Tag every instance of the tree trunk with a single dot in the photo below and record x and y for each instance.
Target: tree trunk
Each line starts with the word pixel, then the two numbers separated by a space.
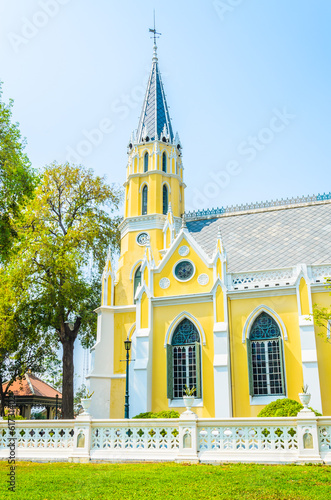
pixel 68 377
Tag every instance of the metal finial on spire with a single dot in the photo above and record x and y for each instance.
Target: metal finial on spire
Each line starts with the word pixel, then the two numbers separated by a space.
pixel 155 36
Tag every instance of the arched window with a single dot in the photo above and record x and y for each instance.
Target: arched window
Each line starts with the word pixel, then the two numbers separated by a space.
pixel 144 201
pixel 146 162
pixel 164 162
pixel 265 357
pixel 136 281
pixel 165 200
pixel 184 360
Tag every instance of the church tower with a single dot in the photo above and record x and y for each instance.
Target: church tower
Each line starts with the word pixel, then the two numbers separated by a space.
pixel 154 187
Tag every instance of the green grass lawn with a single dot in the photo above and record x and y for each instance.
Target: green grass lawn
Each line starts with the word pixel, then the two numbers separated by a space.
pixel 162 481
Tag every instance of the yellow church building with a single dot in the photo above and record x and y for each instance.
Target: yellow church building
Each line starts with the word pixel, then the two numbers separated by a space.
pixel 218 300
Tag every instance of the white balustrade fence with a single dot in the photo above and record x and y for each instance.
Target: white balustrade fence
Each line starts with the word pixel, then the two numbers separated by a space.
pixel 304 438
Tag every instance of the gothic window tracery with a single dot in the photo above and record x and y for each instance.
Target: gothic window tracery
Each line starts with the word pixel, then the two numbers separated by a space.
pixel 265 357
pixel 184 365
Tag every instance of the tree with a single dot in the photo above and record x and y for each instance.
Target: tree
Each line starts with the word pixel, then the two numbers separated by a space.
pixel 17 179
pixel 65 232
pixel 322 315
pixel 22 346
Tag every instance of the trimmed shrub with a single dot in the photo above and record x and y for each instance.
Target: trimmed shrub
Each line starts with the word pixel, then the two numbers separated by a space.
pixel 284 408
pixel 14 417
pixel 160 414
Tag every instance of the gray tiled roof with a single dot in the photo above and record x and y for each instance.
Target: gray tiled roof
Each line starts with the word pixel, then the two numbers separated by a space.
pixel 269 239
pixel 155 113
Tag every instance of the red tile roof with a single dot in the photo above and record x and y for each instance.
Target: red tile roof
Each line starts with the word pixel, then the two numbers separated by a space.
pixel 31 385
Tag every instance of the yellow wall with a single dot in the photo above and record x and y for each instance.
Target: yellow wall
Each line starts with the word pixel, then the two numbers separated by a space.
pixel 182 288
pixel 154 178
pixel 303 292
pixel 286 307
pixel 163 316
pixel 122 325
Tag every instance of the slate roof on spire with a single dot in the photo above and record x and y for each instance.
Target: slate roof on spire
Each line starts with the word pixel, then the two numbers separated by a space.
pixel 155 114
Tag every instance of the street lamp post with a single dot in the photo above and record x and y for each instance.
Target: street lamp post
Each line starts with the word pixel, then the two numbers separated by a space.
pixel 127 345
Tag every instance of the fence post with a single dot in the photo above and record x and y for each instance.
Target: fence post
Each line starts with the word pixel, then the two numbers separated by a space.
pixel 82 439
pixel 188 438
pixel 308 442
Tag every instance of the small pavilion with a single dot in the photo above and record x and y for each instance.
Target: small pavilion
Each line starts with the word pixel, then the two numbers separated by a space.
pixel 31 392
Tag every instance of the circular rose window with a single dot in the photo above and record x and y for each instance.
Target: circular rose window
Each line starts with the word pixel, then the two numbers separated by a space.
pixel 184 270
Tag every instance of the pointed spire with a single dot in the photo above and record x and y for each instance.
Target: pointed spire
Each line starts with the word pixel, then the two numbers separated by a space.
pixel 155 113
pixel 219 245
pixel 184 226
pixel 148 256
pixel 108 265
pixel 170 215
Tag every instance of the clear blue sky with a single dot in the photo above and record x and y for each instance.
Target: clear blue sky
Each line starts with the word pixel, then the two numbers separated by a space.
pixel 229 73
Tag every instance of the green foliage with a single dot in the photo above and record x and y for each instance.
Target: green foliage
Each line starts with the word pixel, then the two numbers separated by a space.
pixel 160 414
pixel 188 391
pixel 66 231
pixel 23 346
pixel 283 408
pixel 17 179
pixel 52 372
pixel 322 315
pixel 14 417
pixel 64 235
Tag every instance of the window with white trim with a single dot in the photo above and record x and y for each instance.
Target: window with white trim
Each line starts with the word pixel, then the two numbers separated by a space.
pixel 136 281
pixel 265 358
pixel 184 360
pixel 146 162
pixel 164 200
pixel 164 162
pixel 144 200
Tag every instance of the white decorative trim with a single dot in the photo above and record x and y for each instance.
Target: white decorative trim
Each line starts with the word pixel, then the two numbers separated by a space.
pixel 116 309
pixel 179 403
pixel 132 330
pixel 257 311
pixel 183 250
pixel 113 376
pixel 143 185
pixel 174 300
pixel 177 320
pixel 261 293
pixel 145 223
pixel 174 268
pixel 263 206
pixel 134 268
pixel 164 283
pixel 158 172
pixel 264 278
pixel 328 330
pixel 264 400
pixel 203 279
pixel 319 273
pixel 184 235
pixel 167 184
